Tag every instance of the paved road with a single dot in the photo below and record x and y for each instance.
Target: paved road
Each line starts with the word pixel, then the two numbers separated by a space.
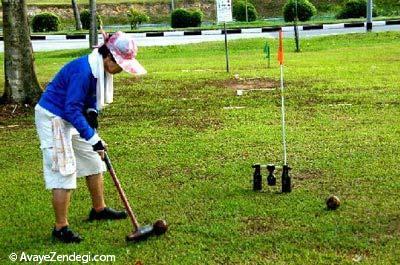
pixel 47 45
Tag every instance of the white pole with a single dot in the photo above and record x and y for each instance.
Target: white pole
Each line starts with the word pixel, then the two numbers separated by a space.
pixel 283 118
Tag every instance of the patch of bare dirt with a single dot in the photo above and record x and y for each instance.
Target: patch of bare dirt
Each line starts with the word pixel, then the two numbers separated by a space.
pixel 239 83
pixel 358 255
pixel 394 227
pixel 261 225
pixel 195 122
pixel 308 174
pixel 11 111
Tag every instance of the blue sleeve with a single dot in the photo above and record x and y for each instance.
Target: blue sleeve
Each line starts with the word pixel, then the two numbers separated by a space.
pixel 93 100
pixel 77 92
pixel 93 104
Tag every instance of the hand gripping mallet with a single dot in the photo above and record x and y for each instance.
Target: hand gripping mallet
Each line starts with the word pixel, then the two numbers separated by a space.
pixel 139 232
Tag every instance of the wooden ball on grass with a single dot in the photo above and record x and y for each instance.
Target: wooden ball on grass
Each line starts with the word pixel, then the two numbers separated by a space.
pixel 332 202
pixel 160 227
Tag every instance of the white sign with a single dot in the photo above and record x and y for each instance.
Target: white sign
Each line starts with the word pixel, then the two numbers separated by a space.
pixel 224 11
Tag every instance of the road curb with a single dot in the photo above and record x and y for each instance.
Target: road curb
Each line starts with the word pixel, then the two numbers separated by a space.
pixel 173 33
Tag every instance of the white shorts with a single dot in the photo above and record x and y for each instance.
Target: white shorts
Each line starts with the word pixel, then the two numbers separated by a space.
pixel 88 162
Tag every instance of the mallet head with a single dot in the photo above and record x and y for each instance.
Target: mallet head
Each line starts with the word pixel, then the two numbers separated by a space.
pixel 142 233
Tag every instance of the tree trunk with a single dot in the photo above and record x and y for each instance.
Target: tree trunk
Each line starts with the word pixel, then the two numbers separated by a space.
pixel 78 23
pixel 93 25
pixel 21 84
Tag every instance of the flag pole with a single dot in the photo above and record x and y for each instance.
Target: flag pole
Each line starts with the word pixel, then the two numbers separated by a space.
pixel 283 118
pixel 281 59
pixel 286 180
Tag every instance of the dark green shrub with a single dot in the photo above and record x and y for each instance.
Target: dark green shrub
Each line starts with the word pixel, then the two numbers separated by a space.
pixel 45 22
pixel 182 18
pixel 355 9
pixel 239 11
pixel 137 17
pixel 305 10
pixel 85 19
pixel 196 18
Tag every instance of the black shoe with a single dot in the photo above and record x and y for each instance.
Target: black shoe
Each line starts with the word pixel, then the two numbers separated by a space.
pixel 66 235
pixel 106 214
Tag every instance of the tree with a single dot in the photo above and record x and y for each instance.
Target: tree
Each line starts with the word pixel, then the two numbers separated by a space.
pixel 78 23
pixel 21 84
pixel 93 40
pixel 137 17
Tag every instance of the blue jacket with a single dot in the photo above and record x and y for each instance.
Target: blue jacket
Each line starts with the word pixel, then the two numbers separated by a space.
pixel 71 93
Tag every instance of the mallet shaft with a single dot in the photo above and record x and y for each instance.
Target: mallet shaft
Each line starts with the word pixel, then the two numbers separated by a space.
pixel 121 192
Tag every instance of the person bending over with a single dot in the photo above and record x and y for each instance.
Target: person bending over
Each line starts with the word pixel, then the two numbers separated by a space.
pixel 66 122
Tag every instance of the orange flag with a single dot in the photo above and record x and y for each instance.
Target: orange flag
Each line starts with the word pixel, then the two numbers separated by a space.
pixel 280 50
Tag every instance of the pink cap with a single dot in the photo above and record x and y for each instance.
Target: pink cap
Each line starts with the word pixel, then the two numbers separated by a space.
pixel 124 50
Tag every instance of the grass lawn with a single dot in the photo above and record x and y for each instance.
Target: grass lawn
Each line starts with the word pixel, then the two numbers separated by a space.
pixel 182 155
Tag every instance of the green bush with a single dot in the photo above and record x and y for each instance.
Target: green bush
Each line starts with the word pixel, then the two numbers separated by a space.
pixel 196 18
pixel 137 17
pixel 239 11
pixel 355 9
pixel 85 19
pixel 45 22
pixel 305 10
pixel 182 18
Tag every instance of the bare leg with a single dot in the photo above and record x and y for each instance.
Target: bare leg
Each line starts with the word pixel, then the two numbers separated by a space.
pixel 61 199
pixel 96 189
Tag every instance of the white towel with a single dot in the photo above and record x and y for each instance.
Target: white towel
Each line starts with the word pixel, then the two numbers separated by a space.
pixel 104 86
pixel 63 154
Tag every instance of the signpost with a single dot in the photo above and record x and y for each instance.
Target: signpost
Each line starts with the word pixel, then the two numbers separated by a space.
pixel 369 15
pixel 224 14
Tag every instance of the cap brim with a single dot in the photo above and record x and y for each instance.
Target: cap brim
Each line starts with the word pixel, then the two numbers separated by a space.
pixel 132 66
